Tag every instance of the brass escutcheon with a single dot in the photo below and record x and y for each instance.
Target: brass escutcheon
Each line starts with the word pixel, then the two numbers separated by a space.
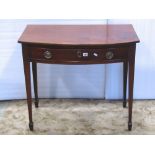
pixel 109 55
pixel 47 54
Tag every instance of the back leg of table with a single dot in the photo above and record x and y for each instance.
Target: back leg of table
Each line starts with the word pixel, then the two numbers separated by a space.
pixel 34 71
pixel 125 75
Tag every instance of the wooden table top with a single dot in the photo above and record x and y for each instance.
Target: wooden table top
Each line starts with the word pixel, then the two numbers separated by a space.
pixel 79 34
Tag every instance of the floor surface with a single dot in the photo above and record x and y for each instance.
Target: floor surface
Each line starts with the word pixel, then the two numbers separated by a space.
pixel 74 117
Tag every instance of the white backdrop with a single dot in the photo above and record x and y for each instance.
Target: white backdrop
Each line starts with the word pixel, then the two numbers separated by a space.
pixel 91 81
pixel 144 87
pixel 54 80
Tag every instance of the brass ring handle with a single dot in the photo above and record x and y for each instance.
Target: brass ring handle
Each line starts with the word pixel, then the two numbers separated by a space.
pixel 79 54
pixel 47 54
pixel 109 55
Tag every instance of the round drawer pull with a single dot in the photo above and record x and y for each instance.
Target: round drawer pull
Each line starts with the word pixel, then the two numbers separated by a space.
pixel 109 55
pixel 79 54
pixel 47 54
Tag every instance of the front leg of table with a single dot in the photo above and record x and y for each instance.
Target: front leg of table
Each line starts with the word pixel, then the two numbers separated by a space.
pixel 131 57
pixel 34 71
pixel 28 91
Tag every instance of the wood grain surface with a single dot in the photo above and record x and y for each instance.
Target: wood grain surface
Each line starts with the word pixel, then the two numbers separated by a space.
pixel 79 34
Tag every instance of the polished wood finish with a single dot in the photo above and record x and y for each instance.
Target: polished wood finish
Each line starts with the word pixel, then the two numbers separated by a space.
pixel 70 56
pixel 79 34
pixel 79 44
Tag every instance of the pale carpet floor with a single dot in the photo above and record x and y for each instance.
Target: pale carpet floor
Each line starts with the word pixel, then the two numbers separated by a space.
pixel 74 117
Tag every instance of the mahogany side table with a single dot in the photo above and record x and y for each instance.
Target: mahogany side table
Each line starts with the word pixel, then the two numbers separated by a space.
pixel 79 45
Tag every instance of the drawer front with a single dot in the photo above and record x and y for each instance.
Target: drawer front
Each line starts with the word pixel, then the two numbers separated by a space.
pixel 78 55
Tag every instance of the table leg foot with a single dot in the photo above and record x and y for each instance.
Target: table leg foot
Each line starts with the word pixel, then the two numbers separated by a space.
pixel 129 126
pixel 124 104
pixel 36 104
pixel 31 126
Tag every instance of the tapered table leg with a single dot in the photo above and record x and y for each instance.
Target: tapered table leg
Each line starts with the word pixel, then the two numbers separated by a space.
pixel 125 73
pixel 34 71
pixel 131 84
pixel 28 91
